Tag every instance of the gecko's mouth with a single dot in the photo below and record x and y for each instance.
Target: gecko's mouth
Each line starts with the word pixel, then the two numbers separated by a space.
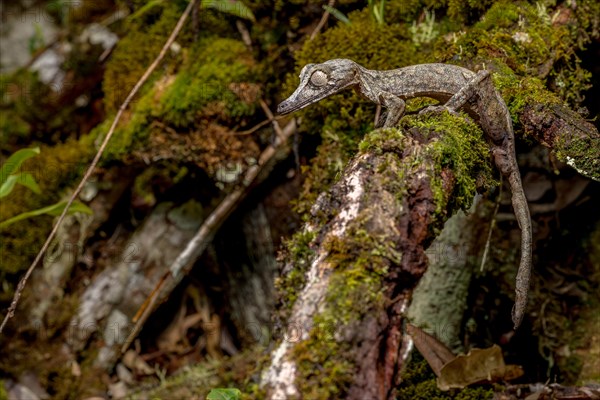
pixel 290 105
pixel 300 99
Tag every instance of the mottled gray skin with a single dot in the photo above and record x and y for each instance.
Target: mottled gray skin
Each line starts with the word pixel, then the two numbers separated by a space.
pixel 456 86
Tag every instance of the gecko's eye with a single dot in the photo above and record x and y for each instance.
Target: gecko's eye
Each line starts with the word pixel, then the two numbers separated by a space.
pixel 318 78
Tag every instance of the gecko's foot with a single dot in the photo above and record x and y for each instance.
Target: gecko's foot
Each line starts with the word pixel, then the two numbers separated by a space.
pixel 437 110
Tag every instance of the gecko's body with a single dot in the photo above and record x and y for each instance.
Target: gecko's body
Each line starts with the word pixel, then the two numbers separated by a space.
pixel 457 88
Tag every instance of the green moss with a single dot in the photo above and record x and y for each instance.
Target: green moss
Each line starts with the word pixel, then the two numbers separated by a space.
pixel 587 14
pixel 299 253
pixel 361 263
pixel 214 86
pixel 521 39
pixel 456 12
pixel 145 37
pixel 331 355
pixel 131 132
pixel 147 30
pixel 355 291
pixel 218 66
pixel 460 148
pixel 336 43
pixel 519 92
pixel 380 140
pixel 583 149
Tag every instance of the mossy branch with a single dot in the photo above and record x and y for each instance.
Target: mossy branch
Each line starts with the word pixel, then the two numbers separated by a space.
pixel 369 234
pixel 571 138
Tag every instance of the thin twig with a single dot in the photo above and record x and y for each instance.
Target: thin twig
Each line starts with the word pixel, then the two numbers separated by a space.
pixel 272 118
pixel 244 33
pixel 492 226
pixel 322 22
pixel 257 126
pixel 92 167
pixel 196 246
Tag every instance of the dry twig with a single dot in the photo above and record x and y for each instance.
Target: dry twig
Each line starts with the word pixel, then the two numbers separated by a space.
pixel 322 22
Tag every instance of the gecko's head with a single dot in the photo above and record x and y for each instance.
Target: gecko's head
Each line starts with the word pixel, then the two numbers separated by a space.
pixel 318 81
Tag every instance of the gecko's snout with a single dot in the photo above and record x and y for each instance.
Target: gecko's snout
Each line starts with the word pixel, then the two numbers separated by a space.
pixel 281 108
pixel 285 107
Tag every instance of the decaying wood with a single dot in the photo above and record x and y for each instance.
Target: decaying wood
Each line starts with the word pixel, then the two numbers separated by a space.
pixel 366 199
pixel 574 140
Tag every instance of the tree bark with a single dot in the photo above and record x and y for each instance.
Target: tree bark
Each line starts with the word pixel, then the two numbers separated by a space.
pixel 370 234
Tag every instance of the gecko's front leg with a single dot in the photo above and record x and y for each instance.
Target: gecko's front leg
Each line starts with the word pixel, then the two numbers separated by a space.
pixel 395 109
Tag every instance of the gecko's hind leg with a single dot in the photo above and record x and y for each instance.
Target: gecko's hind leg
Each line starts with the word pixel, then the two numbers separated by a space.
pixel 473 87
pixel 460 98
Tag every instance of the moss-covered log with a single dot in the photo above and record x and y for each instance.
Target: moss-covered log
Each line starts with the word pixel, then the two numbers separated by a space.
pixel 346 296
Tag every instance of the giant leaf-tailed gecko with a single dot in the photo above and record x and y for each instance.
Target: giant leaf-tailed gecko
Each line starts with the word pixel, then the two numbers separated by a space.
pixel 458 88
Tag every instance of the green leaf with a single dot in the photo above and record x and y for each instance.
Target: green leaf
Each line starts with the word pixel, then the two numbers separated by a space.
pixel 224 394
pixel 8 186
pixel 14 162
pixel 22 178
pixel 143 9
pixel 54 210
pixel 27 180
pixel 377 16
pixel 382 11
pixel 337 14
pixel 232 7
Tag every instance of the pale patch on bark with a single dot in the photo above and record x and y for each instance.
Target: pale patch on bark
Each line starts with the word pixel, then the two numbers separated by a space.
pixel 281 374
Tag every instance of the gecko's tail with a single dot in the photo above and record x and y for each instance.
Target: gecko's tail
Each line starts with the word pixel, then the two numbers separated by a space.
pixel 521 209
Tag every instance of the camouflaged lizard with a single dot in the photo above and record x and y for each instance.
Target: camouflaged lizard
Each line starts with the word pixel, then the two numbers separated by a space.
pixel 456 88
